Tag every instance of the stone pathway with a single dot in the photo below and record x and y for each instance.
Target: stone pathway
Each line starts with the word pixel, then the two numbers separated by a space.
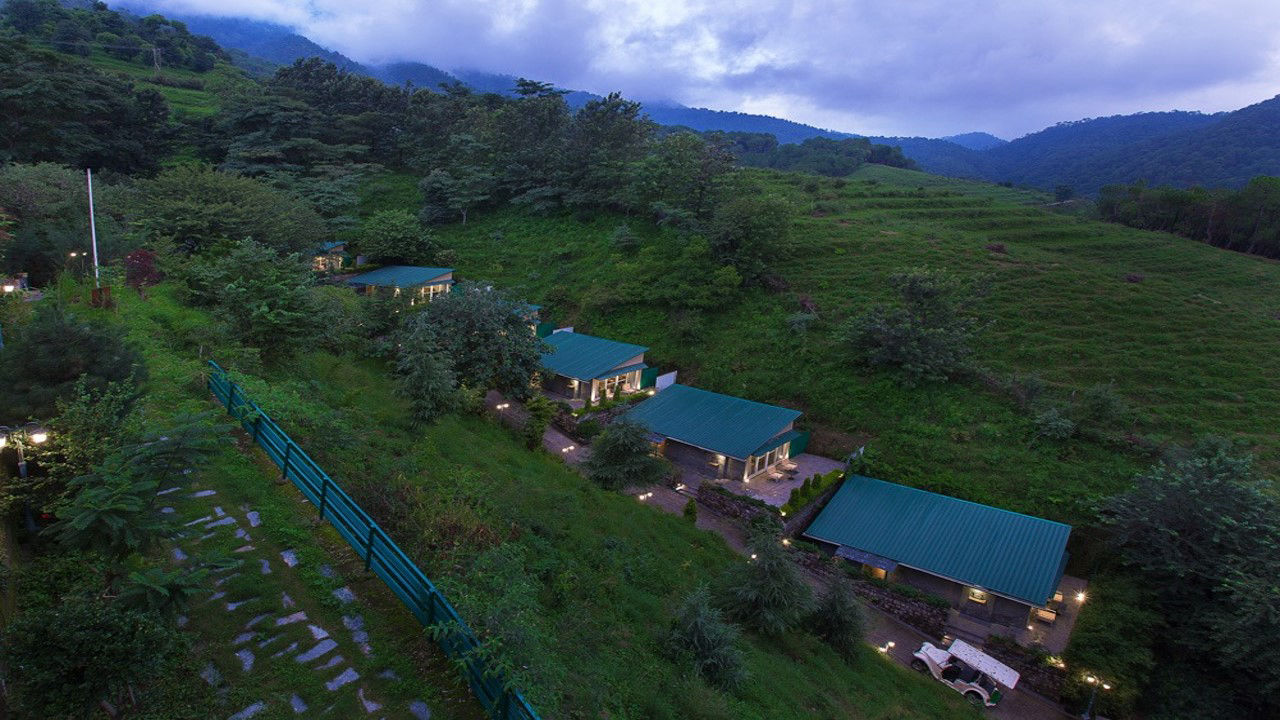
pixel 260 636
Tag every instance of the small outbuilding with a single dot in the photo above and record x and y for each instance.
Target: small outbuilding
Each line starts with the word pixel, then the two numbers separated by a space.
pixel 329 257
pixel 721 436
pixel 585 367
pixel 993 565
pixel 421 284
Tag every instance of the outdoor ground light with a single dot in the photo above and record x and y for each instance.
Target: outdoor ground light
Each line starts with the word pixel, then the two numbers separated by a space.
pixel 1081 597
pixel 10 288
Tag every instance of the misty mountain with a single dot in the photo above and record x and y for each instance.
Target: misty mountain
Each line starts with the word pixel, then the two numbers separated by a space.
pixel 1178 148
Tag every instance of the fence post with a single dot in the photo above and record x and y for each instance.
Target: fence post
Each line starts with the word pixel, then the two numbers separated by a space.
pixel 324 495
pixel 284 467
pixel 231 398
pixel 368 549
pixel 257 428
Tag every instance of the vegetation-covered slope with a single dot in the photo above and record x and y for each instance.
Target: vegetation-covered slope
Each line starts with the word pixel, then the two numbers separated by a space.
pixel 1181 329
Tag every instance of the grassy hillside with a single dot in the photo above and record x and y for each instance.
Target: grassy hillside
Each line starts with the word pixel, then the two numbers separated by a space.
pixel 1185 332
pixel 182 100
pixel 578 583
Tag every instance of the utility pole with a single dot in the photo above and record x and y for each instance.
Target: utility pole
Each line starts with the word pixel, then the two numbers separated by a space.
pixel 93 228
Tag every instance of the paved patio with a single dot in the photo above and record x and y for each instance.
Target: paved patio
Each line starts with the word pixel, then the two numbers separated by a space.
pixel 773 492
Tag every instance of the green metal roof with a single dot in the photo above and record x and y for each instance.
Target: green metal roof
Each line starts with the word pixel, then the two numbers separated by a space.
pixel 401 276
pixel 332 245
pixel 777 441
pixel 1004 552
pixel 586 357
pixel 621 371
pixel 720 423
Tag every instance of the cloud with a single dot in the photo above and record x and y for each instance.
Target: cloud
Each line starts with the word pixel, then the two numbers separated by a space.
pixel 926 67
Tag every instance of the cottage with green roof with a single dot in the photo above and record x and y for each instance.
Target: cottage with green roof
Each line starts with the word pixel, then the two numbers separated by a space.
pixel 581 367
pixel 721 436
pixel 993 565
pixel 421 284
pixel 329 257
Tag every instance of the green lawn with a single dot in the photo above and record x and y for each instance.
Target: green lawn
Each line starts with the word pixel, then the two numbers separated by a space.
pixel 1190 347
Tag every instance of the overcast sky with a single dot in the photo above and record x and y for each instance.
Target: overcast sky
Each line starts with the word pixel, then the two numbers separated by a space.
pixel 882 67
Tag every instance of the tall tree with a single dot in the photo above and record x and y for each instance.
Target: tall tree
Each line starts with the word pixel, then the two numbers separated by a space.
pixel 485 334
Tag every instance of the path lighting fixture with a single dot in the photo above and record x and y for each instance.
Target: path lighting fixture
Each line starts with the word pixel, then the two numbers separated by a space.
pixel 8 287
pixel 753 556
pixel 786 542
pixel 74 254
pixel 1081 596
pixel 783 512
pixel 885 648
pixel 33 433
pixel 1095 682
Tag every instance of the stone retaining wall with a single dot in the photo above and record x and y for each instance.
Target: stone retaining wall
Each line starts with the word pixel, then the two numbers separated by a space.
pixel 918 614
pixel 723 502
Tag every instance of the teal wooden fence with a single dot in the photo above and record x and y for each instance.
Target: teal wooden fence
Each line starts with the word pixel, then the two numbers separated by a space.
pixel 380 554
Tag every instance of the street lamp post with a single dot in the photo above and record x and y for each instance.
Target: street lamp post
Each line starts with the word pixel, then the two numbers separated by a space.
pixel 1096 682
pixel 36 435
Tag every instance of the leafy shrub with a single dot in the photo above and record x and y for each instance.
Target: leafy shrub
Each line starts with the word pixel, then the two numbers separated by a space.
pixel 1113 637
pixel 928 334
pixel 56 676
pixel 766 593
pixel 1101 404
pixel 539 411
pixel 623 239
pixel 1025 389
pixel 811 489
pixel 799 322
pixel 691 511
pixel 46 359
pixel 622 456
pixel 397 237
pixel 1054 424
pixel 837 619
pixel 588 430
pixel 700 634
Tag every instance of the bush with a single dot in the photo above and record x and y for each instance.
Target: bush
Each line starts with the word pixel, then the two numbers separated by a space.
pixel 1101 405
pixel 1113 637
pixel 622 456
pixel 396 237
pixel 928 335
pixel 624 239
pixel 811 489
pixel 766 593
pixel 588 430
pixel 70 656
pixel 700 634
pixel 55 356
pixel 540 411
pixel 691 511
pixel 1054 424
pixel 837 620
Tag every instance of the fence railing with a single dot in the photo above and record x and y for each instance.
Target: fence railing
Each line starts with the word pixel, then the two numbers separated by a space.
pixel 380 554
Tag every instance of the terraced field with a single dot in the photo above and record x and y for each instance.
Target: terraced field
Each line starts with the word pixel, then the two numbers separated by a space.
pixel 1184 332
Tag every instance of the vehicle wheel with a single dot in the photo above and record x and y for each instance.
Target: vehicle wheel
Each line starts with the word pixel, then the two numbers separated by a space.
pixel 975 699
pixel 919 665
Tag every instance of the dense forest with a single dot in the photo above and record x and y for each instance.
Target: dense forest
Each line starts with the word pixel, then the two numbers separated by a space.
pixel 150 39
pixel 819 155
pixel 1245 220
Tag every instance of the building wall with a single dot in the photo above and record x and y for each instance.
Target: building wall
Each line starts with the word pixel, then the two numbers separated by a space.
pixel 559 385
pixel 996 609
